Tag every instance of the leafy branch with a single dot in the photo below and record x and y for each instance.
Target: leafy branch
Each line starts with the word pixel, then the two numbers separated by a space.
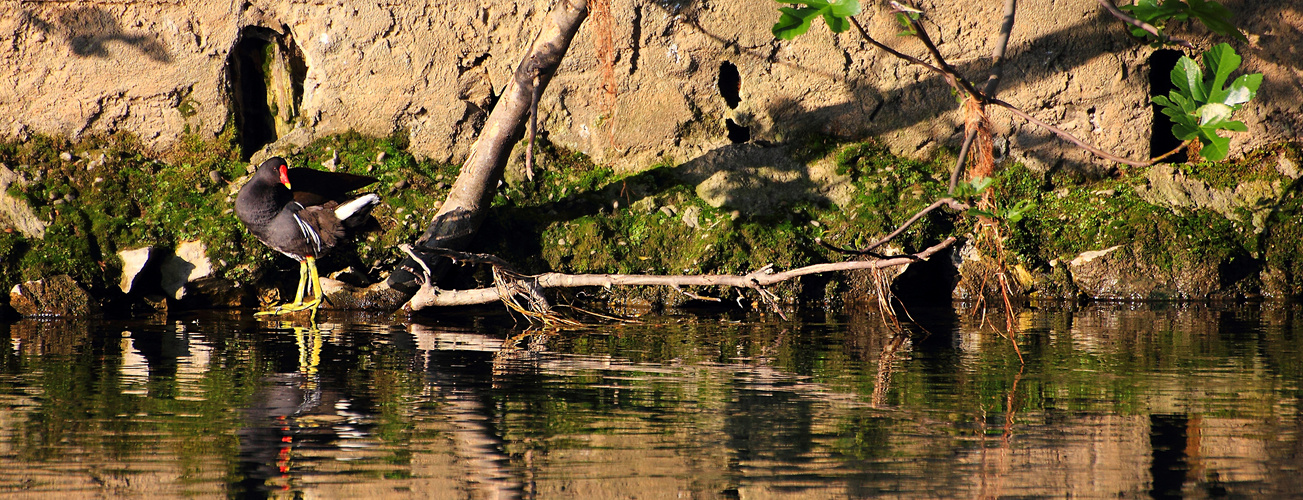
pixel 1155 13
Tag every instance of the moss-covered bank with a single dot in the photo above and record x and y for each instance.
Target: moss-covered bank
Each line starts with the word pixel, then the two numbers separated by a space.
pixel 100 196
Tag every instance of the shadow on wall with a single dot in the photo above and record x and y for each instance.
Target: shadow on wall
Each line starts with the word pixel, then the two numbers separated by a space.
pixel 88 31
pixel 870 110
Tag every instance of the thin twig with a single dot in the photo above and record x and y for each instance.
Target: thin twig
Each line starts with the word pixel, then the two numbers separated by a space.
pixel 949 72
pixel 1067 136
pixel 985 99
pixel 1164 156
pixel 1162 37
pixel 992 84
pixel 949 202
pixel 894 52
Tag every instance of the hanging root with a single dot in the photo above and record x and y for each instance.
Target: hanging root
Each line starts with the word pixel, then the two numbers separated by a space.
pixel 977 121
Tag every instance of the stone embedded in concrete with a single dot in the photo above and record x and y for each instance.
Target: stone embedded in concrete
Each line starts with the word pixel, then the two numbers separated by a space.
pixel 54 296
pixel 188 264
pixel 15 211
pixel 133 262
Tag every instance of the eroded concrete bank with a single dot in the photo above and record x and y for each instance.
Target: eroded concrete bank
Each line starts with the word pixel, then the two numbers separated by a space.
pixel 685 78
pixel 122 232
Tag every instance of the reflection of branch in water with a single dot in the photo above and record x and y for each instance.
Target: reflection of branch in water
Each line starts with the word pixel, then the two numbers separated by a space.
pixel 1006 438
pixel 882 382
pixel 476 441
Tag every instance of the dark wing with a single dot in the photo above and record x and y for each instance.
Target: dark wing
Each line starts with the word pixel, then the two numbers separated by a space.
pixel 316 187
pixel 319 228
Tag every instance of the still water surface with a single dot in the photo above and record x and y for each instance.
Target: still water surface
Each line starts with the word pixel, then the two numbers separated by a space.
pixel 1152 401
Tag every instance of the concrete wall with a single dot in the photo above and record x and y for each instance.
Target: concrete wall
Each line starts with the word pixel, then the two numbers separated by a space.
pixel 162 68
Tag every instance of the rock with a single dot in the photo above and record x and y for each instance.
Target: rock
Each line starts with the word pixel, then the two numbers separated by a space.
pixel 214 291
pixel 1286 166
pixel 16 212
pixel 1170 187
pixel 352 276
pixel 377 297
pixel 1128 272
pixel 189 263
pixel 54 296
pixel 133 262
pixel 691 217
pixel 430 69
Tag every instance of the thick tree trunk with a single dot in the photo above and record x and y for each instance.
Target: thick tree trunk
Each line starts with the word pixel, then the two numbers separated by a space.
pixel 464 210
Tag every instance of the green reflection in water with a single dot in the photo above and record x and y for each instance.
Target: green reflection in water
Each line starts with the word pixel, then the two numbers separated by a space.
pixel 1130 401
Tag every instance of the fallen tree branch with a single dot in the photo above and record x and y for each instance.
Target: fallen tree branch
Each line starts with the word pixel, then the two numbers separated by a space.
pixel 461 215
pixel 430 296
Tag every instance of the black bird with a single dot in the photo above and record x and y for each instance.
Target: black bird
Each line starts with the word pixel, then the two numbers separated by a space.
pixel 302 213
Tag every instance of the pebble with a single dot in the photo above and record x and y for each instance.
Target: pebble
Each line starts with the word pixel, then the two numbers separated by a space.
pixel 215 176
pixel 65 156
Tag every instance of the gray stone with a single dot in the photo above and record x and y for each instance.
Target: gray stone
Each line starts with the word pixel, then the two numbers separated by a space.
pixel 54 296
pixel 691 217
pixel 1172 188
pixel 1286 166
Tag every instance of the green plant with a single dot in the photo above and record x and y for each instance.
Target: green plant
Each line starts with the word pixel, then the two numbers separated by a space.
pixel 1158 13
pixel 796 21
pixel 1199 107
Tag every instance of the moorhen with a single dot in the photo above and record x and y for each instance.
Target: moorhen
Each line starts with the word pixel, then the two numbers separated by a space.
pixel 302 213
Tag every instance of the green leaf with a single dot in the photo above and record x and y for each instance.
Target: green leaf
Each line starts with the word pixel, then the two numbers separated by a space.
pixel 1220 60
pixel 1213 112
pixel 1215 147
pixel 794 22
pixel 1242 90
pixel 1188 78
pixel 836 24
pixel 844 8
pixel 1216 17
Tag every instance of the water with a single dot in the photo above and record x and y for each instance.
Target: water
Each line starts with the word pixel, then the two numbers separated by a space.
pixel 1113 401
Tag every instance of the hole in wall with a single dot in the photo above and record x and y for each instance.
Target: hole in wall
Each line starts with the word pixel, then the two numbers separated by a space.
pixel 730 84
pixel 1161 140
pixel 737 133
pixel 265 72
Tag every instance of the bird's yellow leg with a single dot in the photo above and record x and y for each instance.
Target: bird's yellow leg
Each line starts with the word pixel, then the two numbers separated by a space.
pixel 316 285
pixel 303 282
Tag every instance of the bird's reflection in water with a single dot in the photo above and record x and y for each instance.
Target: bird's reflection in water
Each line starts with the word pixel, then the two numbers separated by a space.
pixel 294 420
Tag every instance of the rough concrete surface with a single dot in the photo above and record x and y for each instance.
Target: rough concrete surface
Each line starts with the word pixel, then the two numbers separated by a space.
pixel 431 70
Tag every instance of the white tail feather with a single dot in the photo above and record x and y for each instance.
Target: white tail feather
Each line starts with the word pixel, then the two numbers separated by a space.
pixel 355 206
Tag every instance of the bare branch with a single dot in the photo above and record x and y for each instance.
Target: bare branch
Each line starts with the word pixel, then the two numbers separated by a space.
pixel 949 72
pixel 1162 37
pixel 950 202
pixel 430 296
pixel 958 82
pixel 1069 137
pixel 992 84
pixel 894 52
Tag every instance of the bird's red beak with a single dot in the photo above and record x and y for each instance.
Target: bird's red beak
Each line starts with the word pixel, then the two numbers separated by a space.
pixel 285 176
